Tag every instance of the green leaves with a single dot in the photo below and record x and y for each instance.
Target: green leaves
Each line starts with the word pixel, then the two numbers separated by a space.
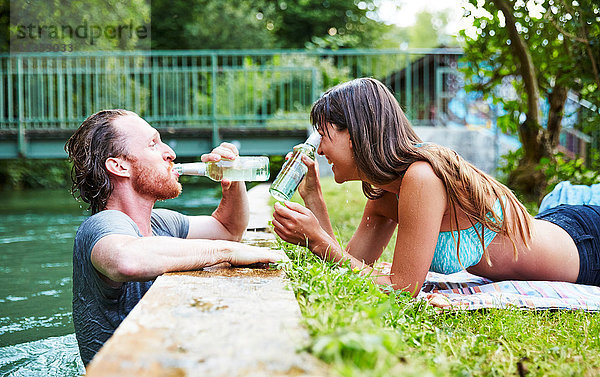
pixel 574 170
pixel 41 173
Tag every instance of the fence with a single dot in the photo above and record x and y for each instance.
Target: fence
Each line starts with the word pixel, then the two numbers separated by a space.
pixel 45 96
pixel 202 89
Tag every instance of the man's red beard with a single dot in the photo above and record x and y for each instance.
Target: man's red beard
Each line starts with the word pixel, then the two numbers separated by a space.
pixel 153 183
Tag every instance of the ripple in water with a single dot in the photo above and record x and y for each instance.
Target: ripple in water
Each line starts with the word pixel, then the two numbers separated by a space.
pixel 50 357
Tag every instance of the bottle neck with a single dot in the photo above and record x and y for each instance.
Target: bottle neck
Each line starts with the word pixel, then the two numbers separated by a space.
pixel 307 149
pixel 314 140
pixel 192 168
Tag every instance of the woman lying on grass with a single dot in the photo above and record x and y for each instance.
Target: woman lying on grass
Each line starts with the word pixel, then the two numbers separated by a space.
pixel 437 200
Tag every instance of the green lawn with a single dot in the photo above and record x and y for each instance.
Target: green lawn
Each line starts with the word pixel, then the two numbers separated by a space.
pixel 361 331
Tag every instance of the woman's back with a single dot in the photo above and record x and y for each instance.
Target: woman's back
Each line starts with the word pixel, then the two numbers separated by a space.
pixel 552 255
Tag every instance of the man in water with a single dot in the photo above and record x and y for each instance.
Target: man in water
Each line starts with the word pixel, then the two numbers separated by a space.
pixel 121 168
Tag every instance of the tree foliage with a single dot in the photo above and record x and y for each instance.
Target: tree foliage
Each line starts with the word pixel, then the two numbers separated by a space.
pixel 234 24
pixel 78 25
pixel 210 24
pixel 340 23
pixel 216 24
pixel 546 49
pixel 4 24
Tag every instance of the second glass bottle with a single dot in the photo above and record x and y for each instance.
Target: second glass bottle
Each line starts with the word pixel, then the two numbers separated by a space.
pixel 292 172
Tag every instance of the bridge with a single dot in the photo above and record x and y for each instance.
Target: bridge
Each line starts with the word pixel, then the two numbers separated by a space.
pixel 259 98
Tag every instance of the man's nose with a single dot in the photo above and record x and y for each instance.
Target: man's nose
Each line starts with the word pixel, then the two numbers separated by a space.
pixel 169 153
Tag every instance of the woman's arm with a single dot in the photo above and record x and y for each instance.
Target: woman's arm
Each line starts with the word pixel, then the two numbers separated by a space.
pixel 296 224
pixel 311 193
pixel 421 206
pixel 376 226
pixel 375 229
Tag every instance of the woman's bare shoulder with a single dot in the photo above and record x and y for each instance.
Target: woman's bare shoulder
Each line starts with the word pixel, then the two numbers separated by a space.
pixel 421 172
pixel 421 187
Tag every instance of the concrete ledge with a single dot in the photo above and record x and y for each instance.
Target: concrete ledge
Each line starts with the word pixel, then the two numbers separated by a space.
pixel 220 321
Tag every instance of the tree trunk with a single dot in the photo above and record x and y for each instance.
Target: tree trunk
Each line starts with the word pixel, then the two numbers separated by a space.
pixel 526 178
pixel 557 100
pixel 526 66
pixel 538 143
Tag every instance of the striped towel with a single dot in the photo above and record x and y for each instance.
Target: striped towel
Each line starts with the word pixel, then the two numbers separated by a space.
pixel 467 291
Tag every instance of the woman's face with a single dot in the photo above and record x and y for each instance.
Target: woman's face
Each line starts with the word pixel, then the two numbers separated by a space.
pixel 337 148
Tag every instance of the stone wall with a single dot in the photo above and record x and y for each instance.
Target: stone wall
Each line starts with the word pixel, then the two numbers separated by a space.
pixel 480 147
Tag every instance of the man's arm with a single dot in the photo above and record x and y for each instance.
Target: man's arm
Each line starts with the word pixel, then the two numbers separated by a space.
pixel 230 219
pixel 123 258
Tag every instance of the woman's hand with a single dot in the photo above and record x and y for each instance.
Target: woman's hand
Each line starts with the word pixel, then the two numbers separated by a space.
pixel 311 184
pixel 296 224
pixel 310 191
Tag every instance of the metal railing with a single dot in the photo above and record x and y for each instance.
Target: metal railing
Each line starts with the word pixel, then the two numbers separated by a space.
pixel 202 89
pixel 47 93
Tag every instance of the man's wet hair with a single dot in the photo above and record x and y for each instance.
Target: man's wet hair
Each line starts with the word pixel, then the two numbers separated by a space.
pixel 88 148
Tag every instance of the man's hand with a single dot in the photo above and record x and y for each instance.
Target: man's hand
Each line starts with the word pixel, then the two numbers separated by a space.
pixel 225 151
pixel 232 214
pixel 242 255
pixel 121 258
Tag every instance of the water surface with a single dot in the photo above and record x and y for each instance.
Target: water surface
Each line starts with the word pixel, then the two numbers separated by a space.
pixel 37 229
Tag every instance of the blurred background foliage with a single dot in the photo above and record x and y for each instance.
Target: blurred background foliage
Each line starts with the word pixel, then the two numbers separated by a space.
pixel 217 24
pixel 243 24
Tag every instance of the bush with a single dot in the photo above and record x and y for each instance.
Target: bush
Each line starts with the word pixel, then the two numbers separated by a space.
pixel 573 170
pixel 556 169
pixel 23 173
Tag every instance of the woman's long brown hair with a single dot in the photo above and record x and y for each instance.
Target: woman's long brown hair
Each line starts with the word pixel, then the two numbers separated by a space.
pixel 385 145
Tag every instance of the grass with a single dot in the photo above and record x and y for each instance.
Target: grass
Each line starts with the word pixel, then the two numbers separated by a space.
pixel 361 331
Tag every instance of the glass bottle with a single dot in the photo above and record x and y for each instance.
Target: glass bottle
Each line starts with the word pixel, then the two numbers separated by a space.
pixel 244 168
pixel 294 170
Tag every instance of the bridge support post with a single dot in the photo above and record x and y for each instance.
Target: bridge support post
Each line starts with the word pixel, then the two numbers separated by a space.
pixel 21 140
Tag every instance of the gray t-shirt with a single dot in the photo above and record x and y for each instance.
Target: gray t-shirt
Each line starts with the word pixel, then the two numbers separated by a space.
pixel 99 308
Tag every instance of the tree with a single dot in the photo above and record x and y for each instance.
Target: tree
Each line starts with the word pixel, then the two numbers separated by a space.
pixel 76 25
pixel 426 32
pixel 243 24
pixel 337 23
pixel 550 48
pixel 4 24
pixel 210 24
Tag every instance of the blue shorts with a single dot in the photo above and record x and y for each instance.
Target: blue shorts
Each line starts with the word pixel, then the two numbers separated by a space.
pixel 582 222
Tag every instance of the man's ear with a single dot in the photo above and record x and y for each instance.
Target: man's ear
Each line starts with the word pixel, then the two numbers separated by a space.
pixel 118 166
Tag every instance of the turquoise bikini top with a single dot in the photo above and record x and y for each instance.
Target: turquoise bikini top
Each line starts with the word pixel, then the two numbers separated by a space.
pixel 445 260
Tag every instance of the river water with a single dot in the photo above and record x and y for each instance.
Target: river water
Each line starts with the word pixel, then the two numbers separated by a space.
pixel 37 229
